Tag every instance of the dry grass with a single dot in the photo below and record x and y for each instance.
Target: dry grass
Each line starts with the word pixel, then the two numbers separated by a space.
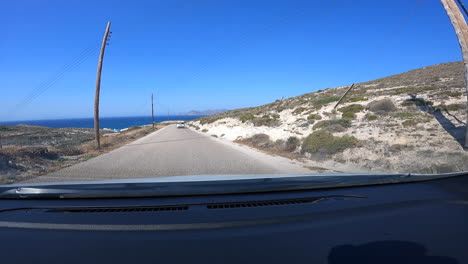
pixel 113 141
pixel 18 163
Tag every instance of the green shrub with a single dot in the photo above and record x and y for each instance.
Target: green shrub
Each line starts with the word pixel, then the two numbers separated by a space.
pixel 372 117
pixel 451 107
pixel 384 105
pixel 246 117
pixel 299 110
pixel 314 116
pixel 266 120
pixel 354 108
pixel 326 100
pixel 259 140
pixel 324 142
pixel 409 123
pixel 348 115
pixel 204 130
pixel 333 125
pixel 291 144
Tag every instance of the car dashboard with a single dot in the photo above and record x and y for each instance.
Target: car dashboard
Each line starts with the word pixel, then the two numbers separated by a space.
pixel 418 222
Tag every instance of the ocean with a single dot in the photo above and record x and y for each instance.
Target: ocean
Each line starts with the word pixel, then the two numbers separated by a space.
pixel 114 123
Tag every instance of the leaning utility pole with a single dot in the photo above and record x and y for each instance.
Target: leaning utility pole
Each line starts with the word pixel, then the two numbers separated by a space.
pixel 152 109
pixel 98 86
pixel 344 95
pixel 461 29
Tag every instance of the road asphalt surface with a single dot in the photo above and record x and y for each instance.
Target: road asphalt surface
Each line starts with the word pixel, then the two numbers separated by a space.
pixel 173 151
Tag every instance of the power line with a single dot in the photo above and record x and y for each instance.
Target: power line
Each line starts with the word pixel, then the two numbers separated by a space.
pixel 53 78
pixel 463 7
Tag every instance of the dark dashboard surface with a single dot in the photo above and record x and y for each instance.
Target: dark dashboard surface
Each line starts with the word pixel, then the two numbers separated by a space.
pixel 421 222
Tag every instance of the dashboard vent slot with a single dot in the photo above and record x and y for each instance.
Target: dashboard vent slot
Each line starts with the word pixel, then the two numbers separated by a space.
pixel 262 203
pixel 118 209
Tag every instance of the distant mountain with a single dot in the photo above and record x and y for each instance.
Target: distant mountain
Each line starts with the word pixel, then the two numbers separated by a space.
pixel 207 112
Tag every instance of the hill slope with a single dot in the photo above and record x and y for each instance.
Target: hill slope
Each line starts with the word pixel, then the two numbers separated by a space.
pixel 409 122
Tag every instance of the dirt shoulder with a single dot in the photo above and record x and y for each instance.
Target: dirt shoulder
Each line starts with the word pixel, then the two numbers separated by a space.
pixel 31 151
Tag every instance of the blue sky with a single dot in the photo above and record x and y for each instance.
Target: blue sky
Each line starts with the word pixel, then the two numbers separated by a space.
pixel 207 54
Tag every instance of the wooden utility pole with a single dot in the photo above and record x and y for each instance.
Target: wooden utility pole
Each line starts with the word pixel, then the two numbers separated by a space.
pixel 98 86
pixel 342 97
pixel 461 29
pixel 152 109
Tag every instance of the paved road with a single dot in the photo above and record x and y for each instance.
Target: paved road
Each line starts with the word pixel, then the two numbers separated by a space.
pixel 176 152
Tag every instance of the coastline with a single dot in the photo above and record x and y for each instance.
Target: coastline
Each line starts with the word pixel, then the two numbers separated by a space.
pixel 111 123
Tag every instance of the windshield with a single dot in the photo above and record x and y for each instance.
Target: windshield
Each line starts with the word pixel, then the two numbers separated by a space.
pixel 155 89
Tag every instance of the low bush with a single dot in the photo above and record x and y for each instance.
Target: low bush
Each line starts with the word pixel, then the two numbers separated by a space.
pixel 299 110
pixel 324 142
pixel 354 108
pixel 409 123
pixel 326 100
pixel 314 116
pixel 246 117
pixel 267 120
pixel 204 130
pixel 372 117
pixel 333 125
pixel 291 144
pixel 451 107
pixel 382 106
pixel 348 115
pixel 69 151
pixel 259 140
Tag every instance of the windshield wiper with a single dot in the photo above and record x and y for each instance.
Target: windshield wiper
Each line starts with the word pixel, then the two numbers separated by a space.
pixel 206 185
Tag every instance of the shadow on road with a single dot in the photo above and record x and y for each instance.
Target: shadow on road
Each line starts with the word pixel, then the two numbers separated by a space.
pixel 457 132
pixel 385 252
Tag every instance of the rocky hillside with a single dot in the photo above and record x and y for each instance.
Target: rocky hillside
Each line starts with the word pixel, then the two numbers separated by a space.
pixel 409 122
